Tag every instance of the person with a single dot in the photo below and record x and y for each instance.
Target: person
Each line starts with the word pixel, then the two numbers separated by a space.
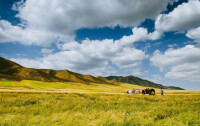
pixel 161 91
pixel 148 91
pixel 143 92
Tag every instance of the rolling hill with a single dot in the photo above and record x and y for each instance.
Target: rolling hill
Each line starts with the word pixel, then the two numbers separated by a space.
pixel 10 70
pixel 139 81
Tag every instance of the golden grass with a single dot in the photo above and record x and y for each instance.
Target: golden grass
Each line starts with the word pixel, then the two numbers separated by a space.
pixel 43 103
pixel 98 109
pixel 70 87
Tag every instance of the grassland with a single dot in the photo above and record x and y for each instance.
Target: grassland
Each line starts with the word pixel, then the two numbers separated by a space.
pixel 41 103
pixel 70 87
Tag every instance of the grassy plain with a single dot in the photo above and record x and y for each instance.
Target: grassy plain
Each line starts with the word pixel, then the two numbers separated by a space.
pixel 70 87
pixel 41 103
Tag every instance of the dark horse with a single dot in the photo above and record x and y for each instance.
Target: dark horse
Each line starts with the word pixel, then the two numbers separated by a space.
pixel 148 91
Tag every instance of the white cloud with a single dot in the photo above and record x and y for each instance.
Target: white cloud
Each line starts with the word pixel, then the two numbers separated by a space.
pixel 65 14
pixel 28 36
pixel 46 51
pixel 180 32
pixel 47 21
pixel 188 71
pixel 172 45
pixel 137 72
pixel 194 34
pixel 139 34
pixel 30 63
pixel 185 16
pixel 155 78
pixel 182 63
pixel 17 6
pixel 129 57
pixel 90 56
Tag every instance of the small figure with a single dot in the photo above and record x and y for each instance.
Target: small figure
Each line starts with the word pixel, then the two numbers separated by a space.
pixel 137 91
pixel 133 91
pixel 148 91
pixel 161 91
pixel 143 92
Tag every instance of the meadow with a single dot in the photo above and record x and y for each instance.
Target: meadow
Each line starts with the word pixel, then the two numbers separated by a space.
pixel 70 87
pixel 41 103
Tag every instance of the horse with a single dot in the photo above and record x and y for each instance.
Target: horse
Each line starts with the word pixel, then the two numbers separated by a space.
pixel 148 91
pixel 133 91
pixel 137 91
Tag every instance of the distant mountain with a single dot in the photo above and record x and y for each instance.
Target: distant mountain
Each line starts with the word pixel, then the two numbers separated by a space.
pixel 176 88
pixel 13 71
pixel 141 82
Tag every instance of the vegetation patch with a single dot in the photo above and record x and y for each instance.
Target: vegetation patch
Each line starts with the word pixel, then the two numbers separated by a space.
pixel 98 109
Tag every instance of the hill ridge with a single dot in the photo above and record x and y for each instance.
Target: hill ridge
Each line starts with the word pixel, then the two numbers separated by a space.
pixel 13 71
pixel 138 81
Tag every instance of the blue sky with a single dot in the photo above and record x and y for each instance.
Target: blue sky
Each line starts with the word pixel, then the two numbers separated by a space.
pixel 153 39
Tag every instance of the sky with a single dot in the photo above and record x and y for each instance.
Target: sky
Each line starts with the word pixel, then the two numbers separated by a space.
pixel 157 40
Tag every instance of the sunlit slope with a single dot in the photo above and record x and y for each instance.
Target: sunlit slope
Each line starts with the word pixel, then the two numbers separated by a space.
pixel 75 77
pixel 10 70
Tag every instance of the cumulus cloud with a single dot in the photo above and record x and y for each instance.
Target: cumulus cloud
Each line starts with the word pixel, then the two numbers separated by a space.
pixel 139 34
pixel 129 57
pixel 17 6
pixel 188 71
pixel 182 63
pixel 90 56
pixel 194 34
pixel 46 21
pixel 185 16
pixel 65 14
pixel 28 36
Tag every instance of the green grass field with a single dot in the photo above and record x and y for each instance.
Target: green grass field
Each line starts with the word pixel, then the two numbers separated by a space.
pixel 41 103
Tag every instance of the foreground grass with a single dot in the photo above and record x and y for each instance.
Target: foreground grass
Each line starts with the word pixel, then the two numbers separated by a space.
pixel 98 109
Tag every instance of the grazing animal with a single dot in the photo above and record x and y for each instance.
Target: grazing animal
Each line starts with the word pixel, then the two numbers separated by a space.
pixel 133 91
pixel 148 91
pixel 137 91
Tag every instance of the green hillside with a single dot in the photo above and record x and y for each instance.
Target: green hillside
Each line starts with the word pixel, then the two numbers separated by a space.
pixel 139 81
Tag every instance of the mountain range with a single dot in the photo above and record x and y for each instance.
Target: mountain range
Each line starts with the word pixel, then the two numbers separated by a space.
pixel 10 70
pixel 138 81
